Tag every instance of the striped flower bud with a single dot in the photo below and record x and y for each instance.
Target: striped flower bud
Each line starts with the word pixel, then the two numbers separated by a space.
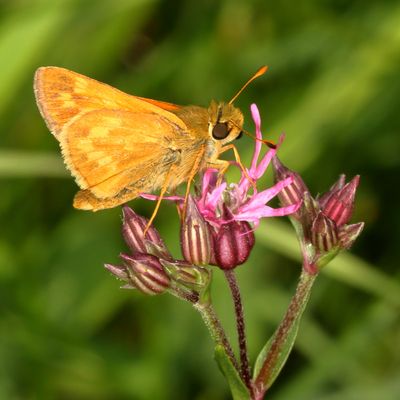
pixel 293 193
pixel 338 202
pixel 324 234
pixel 196 241
pixel 349 233
pixel 143 272
pixel 133 228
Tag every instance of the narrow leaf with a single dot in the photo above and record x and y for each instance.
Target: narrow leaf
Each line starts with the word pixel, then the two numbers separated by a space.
pixel 283 354
pixel 274 354
pixel 238 388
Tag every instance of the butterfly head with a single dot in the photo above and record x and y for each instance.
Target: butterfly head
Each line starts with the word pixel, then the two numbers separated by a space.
pixel 225 122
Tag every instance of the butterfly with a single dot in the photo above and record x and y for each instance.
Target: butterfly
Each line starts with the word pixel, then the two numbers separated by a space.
pixel 118 146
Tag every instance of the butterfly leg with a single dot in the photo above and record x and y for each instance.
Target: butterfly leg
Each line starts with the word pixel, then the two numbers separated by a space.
pixel 192 174
pixel 238 160
pixel 221 166
pixel 160 197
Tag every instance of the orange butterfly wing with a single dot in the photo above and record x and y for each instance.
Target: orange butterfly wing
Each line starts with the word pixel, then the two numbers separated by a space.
pixel 62 94
pixel 115 145
pixel 109 150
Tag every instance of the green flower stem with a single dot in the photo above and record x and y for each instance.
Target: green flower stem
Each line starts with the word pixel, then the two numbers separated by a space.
pixel 240 326
pixel 188 295
pixel 217 332
pixel 281 337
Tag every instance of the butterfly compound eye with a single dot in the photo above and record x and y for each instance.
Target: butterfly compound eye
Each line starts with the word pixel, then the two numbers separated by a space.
pixel 220 131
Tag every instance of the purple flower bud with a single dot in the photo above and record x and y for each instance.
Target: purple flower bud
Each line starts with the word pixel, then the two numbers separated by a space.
pixel 293 193
pixel 117 270
pixel 133 228
pixel 233 242
pixel 320 223
pixel 324 198
pixel 349 233
pixel 338 203
pixel 324 235
pixel 196 240
pixel 308 213
pixel 145 273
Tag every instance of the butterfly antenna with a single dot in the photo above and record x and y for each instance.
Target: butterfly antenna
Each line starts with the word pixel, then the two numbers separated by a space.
pixel 259 72
pixel 270 144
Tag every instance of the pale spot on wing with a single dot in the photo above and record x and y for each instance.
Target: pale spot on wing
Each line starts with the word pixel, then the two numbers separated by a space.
pixel 68 103
pixel 64 96
pixel 97 132
pixel 80 85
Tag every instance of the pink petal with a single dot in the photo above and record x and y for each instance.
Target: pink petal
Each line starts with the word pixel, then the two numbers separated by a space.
pixel 282 211
pixel 263 197
pixel 261 168
pixel 213 197
pixel 280 140
pixel 257 122
pixel 265 212
pixel 154 197
pixel 209 181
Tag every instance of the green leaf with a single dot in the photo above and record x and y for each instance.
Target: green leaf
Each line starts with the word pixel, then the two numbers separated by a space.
pixel 238 389
pixel 275 353
pixel 283 354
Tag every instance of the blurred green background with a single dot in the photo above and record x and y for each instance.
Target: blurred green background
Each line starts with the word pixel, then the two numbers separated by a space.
pixel 66 329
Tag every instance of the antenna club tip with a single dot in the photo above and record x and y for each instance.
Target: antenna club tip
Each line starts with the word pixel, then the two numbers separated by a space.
pixel 271 145
pixel 262 70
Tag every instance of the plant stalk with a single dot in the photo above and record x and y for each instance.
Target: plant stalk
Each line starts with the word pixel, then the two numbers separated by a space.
pixel 240 326
pixel 216 330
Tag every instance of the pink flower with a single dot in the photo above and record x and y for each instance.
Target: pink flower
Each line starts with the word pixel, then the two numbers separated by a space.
pixel 219 223
pixel 243 200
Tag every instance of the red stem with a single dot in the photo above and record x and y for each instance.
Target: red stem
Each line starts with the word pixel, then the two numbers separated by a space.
pixel 240 326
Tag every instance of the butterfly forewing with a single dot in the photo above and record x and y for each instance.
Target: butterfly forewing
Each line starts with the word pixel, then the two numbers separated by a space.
pixel 62 95
pixel 116 145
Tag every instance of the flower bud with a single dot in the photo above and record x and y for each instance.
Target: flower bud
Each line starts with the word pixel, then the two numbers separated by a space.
pixel 143 272
pixel 233 242
pixel 324 198
pixel 309 212
pixel 133 228
pixel 118 270
pixel 324 235
pixel 338 203
pixel 189 276
pixel 196 240
pixel 349 233
pixel 293 193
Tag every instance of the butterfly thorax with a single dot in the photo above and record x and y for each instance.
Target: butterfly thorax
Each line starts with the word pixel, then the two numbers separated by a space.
pixel 196 120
